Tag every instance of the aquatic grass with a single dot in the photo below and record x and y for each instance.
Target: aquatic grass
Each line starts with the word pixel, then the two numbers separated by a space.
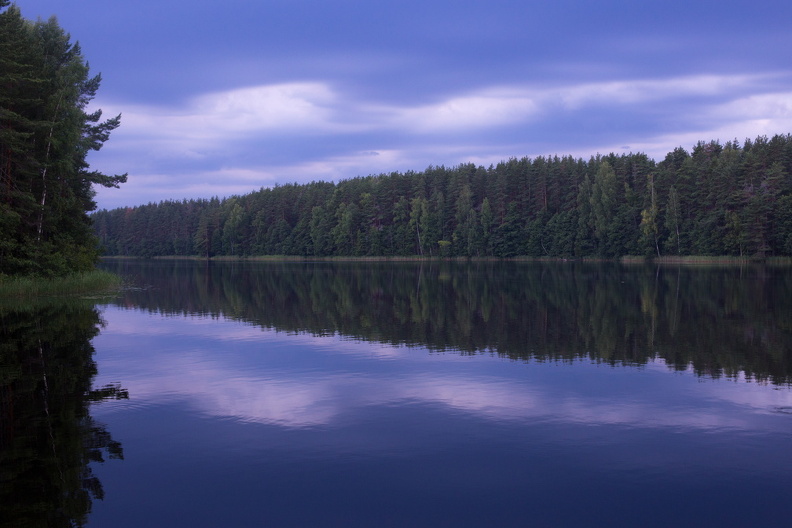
pixel 91 282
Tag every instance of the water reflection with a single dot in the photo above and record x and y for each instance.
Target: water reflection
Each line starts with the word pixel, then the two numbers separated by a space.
pixel 49 438
pixel 716 321
pixel 227 369
pixel 346 395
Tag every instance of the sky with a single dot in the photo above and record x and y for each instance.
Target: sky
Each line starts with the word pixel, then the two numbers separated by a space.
pixel 224 98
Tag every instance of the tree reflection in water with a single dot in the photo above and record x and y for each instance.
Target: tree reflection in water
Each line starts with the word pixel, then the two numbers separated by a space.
pixel 717 321
pixel 48 438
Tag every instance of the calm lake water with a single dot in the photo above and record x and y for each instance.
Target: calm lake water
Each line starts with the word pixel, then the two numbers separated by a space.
pixel 403 394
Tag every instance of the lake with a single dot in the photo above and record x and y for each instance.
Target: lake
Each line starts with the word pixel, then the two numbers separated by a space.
pixel 247 394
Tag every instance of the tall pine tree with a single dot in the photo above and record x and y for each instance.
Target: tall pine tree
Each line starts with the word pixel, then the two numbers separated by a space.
pixel 46 133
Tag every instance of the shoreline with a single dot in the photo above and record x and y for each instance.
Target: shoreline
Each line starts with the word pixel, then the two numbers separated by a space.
pixel 688 260
pixel 92 283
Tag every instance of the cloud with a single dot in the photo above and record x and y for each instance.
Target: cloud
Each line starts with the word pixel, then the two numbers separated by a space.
pixel 224 116
pixel 638 91
pixel 507 105
pixel 762 111
pixel 478 110
pixel 316 108
pixel 281 107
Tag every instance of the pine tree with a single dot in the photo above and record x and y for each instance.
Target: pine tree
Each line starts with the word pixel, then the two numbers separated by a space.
pixel 46 134
pixel 604 204
pixel 649 215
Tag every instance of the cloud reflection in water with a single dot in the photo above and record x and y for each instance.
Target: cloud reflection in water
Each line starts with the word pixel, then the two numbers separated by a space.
pixel 223 368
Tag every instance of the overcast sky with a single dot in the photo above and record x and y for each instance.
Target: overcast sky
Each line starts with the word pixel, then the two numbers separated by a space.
pixel 223 98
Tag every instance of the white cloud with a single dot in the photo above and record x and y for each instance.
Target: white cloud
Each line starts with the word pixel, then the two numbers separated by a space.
pixel 778 105
pixel 216 118
pixel 485 109
pixel 644 91
pixel 496 106
pixel 753 115
pixel 274 107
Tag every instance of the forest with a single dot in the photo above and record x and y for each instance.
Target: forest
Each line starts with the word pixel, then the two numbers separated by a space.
pixel 46 133
pixel 718 199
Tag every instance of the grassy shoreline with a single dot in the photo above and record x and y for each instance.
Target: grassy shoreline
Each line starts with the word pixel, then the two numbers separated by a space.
pixel 95 282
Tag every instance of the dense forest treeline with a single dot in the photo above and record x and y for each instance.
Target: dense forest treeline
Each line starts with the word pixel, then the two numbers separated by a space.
pixel 728 199
pixel 727 321
pixel 46 132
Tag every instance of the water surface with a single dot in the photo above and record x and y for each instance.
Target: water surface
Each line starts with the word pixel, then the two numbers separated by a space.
pixel 445 394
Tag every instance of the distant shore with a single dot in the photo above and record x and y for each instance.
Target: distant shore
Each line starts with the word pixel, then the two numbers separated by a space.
pixel 689 260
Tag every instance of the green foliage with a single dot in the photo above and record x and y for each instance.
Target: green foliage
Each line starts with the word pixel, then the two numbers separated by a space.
pixel 649 227
pixel 46 134
pixel 719 200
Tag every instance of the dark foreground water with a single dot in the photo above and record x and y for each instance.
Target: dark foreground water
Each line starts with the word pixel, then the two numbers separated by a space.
pixel 401 394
